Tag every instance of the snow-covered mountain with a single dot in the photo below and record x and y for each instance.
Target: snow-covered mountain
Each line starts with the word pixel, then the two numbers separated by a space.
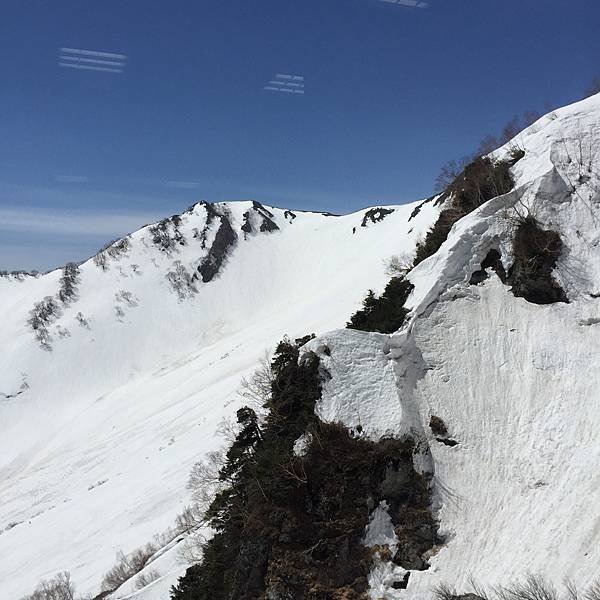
pixel 115 374
pixel 516 383
pixel 118 382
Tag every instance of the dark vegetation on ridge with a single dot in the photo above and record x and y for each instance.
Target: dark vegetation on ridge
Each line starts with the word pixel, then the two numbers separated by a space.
pixel 535 253
pixel 291 526
pixel 384 313
pixel 480 181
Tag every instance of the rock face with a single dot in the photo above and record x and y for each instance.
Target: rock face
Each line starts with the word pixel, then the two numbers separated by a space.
pixel 374 215
pixel 260 218
pixel 224 240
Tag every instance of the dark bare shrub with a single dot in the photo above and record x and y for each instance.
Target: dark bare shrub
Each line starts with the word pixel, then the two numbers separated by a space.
pixel 437 426
pixel 450 171
pixel 535 252
pixel 69 280
pixel 146 578
pixel 41 316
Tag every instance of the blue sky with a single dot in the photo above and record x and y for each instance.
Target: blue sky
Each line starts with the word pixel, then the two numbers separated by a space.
pixel 391 93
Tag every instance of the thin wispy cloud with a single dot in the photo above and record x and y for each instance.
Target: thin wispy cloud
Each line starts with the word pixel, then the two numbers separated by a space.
pixel 285 83
pixel 95 53
pixel 72 223
pixel 91 60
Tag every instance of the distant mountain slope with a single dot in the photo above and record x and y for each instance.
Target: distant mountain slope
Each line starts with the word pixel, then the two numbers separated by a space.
pixel 116 373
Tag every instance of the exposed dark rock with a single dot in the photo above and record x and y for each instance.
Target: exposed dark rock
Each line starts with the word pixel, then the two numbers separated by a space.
pixel 418 208
pixel 258 207
pixel 225 239
pixel 437 426
pixel 415 212
pixel 447 441
pixel 535 252
pixel 478 277
pixel 442 198
pixel 246 225
pixel 493 261
pixel 375 215
pixel 102 595
pixel 289 215
pixel 211 215
pixel 260 213
pixel 403 583
pixel 268 225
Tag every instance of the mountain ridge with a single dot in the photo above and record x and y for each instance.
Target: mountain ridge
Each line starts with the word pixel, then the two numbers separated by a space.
pixel 137 357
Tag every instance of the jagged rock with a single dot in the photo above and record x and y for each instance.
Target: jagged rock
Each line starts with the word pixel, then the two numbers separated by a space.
pixel 374 215
pixel 225 239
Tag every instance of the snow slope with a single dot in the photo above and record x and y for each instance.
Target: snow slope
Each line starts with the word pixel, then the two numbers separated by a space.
pixel 100 428
pixel 516 383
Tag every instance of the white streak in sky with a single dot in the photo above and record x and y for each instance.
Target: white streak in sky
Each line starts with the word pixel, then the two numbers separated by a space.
pixel 409 3
pixel 93 53
pixel 71 178
pixel 89 68
pixel 91 60
pixel 71 222
pixel 282 82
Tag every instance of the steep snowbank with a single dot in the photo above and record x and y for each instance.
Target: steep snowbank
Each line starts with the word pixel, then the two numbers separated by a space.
pixel 516 383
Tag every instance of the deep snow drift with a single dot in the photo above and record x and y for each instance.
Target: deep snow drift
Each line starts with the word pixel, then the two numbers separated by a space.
pixel 106 406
